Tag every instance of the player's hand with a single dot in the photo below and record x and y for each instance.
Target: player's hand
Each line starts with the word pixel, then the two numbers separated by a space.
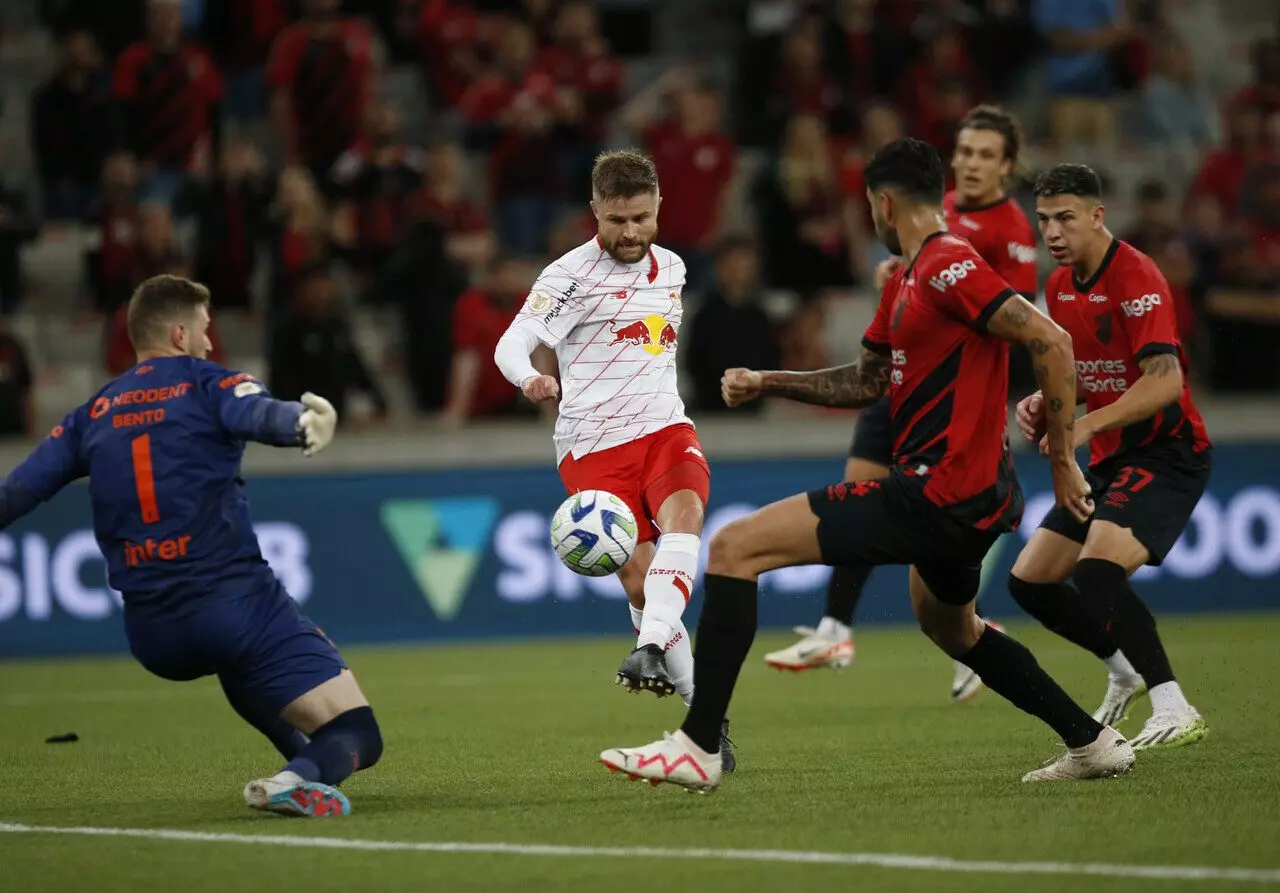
pixel 1071 490
pixel 317 423
pixel 739 386
pixel 539 388
pixel 885 269
pixel 1031 416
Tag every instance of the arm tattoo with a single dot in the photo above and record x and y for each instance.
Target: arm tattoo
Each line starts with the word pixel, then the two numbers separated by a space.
pixel 1161 365
pixel 1014 313
pixel 1056 404
pixel 858 384
pixel 1038 347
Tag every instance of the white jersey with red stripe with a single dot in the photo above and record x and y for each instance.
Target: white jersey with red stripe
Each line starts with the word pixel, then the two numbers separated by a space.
pixel 613 326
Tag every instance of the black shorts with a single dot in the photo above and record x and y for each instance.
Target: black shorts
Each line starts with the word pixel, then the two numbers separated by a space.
pixel 891 521
pixel 1150 490
pixel 873 435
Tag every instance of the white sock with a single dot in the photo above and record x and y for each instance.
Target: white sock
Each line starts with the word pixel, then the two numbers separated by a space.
pixel 1169 696
pixel 637 617
pixel 667 587
pixel 679 651
pixel 287 777
pixel 834 629
pixel 1120 667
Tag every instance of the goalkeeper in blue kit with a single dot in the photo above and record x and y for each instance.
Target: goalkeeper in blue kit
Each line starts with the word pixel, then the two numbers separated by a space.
pixel 161 446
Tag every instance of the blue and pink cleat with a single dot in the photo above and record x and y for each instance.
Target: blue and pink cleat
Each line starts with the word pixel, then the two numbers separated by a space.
pixel 296 798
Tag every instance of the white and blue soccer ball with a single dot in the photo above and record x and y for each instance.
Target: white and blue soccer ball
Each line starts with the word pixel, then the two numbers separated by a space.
pixel 593 533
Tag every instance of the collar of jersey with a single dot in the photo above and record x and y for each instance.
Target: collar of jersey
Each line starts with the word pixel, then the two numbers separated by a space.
pixel 974 209
pixel 927 239
pixel 1089 283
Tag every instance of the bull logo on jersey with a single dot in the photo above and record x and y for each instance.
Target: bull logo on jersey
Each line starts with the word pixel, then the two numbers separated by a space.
pixel 1103 330
pixel 653 333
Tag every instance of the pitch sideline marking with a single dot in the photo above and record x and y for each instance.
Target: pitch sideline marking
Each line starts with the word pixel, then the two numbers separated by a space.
pixel 878 860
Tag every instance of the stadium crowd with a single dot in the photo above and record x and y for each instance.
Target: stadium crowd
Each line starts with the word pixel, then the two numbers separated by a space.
pixel 253 144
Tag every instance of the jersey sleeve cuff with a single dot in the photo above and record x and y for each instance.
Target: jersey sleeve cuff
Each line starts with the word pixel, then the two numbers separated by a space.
pixel 1155 348
pixel 876 346
pixel 992 306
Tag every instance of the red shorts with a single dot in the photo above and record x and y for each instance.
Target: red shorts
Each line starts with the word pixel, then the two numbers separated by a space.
pixel 643 473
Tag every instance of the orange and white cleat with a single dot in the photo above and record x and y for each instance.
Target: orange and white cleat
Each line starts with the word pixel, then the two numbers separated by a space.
pixel 814 651
pixel 674 760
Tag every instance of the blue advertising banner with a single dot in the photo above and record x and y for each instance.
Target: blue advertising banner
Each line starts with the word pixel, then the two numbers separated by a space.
pixel 465 554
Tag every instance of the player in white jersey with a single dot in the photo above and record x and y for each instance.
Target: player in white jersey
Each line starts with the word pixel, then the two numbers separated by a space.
pixel 611 311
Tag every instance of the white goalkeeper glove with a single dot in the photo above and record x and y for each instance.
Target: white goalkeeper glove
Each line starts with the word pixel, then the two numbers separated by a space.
pixel 316 423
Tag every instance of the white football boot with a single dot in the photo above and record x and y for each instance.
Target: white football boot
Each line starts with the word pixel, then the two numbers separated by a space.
pixel 1171 728
pixel 675 759
pixel 1107 756
pixel 1122 691
pixel 814 651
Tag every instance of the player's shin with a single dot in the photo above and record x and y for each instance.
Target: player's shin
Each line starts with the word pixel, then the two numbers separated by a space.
pixel 1060 609
pixel 725 633
pixel 1011 671
pixel 349 742
pixel 667 587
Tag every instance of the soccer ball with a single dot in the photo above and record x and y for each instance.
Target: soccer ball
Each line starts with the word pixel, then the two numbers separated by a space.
pixel 594 533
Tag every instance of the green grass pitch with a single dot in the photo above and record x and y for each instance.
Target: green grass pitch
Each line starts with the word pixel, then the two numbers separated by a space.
pixel 498 743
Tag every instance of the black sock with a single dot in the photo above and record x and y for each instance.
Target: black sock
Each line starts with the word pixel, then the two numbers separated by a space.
pixel 284 737
pixel 349 742
pixel 1106 584
pixel 1062 610
pixel 725 633
pixel 845 590
pixel 1011 671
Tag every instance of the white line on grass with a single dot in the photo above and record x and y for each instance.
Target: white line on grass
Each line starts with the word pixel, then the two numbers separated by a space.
pixel 878 860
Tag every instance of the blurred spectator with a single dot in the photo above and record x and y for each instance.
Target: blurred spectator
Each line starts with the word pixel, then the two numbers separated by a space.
pixel 510 111
pixel 945 68
pixel 571 229
pixel 1177 263
pixel 301 234
pixel 17 414
pixel 540 15
pixel 1223 171
pixel 1264 91
pixel 72 129
pixel 695 160
pixel 1002 43
pixel 112 245
pixel 18 226
pixel 115 24
pixel 452 37
pixel 240 34
pixel 230 211
pixel 1083 36
pixel 800 85
pixel 1261 218
pixel 880 125
pixel 322 74
pixel 801 221
pixel 169 90
pixel 468 239
pixel 866 58
pixel 311 347
pixel 1179 114
pixel 1242 322
pixel 158 251
pixel 802 343
pixel 1153 227
pixel 376 180
pixel 476 385
pixel 730 328
pixel 588 83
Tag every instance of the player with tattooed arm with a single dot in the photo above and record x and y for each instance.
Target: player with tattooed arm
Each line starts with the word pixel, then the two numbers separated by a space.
pixel 939 346
pixel 1148 456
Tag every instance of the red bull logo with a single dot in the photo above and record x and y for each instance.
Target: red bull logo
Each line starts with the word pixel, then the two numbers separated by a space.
pixel 653 333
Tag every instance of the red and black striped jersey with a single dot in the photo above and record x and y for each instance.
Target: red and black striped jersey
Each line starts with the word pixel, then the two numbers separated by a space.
pixel 1123 314
pixel 949 381
pixel 168 98
pixel 1003 237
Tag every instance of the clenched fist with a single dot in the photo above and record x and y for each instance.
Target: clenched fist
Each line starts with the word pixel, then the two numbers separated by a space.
pixel 885 269
pixel 539 388
pixel 739 386
pixel 1031 417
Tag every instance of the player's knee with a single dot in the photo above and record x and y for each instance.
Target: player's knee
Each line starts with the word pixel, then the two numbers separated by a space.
pixel 1108 582
pixel 363 727
pixel 729 549
pixel 1029 596
pixel 945 628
